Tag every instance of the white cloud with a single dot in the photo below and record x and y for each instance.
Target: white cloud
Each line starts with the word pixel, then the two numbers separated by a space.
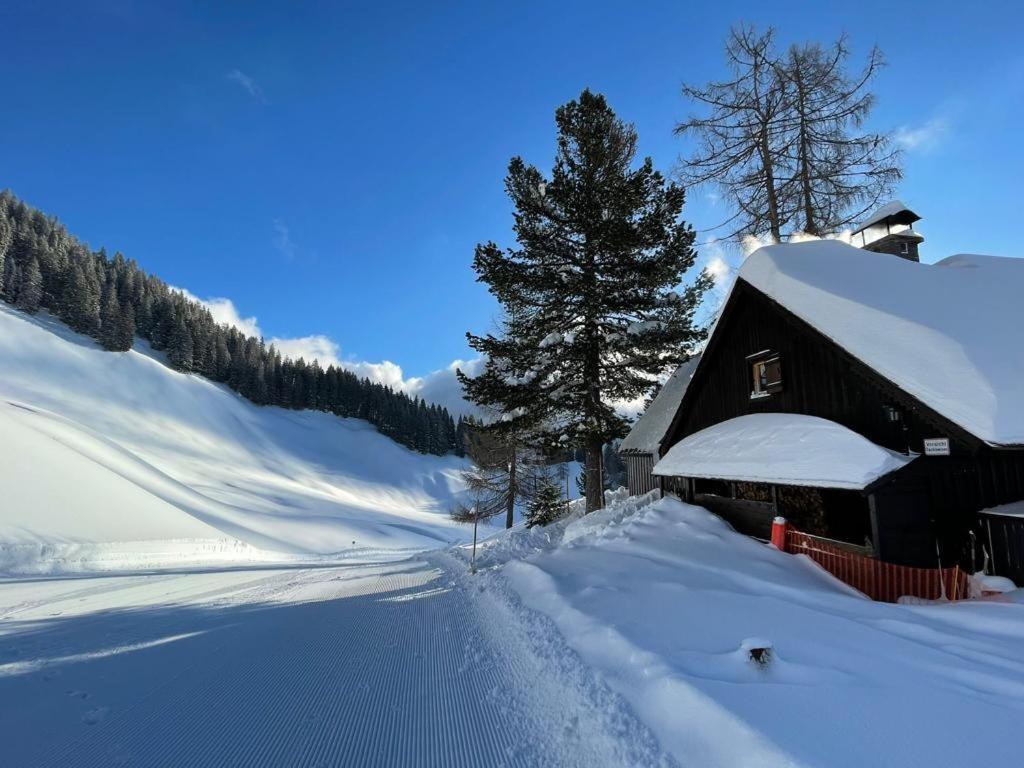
pixel 225 312
pixel 316 347
pixel 283 240
pixel 443 388
pixel 247 83
pixel 718 268
pixel 718 264
pixel 922 138
pixel 440 386
pixel 385 372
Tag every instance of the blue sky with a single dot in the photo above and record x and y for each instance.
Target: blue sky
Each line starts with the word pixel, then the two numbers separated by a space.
pixel 329 167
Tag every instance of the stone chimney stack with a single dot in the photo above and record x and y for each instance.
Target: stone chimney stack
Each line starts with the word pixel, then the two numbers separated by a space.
pixel 890 230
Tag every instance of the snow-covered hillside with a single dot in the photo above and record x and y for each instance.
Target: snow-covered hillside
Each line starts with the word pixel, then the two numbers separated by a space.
pixel 115 459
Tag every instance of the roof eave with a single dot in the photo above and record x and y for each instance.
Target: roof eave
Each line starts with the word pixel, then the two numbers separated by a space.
pixel 831 484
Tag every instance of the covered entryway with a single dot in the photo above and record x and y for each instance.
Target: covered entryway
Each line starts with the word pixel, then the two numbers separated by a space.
pixel 813 471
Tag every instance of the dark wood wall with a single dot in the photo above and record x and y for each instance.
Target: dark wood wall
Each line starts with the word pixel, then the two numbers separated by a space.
pixel 818 379
pixel 821 379
pixel 639 479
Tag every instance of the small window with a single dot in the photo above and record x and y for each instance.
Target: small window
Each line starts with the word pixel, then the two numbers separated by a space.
pixel 766 374
pixel 904 248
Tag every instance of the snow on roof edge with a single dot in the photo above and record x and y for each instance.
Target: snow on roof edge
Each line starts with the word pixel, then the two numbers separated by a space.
pixel 781 449
pixel 889 209
pixel 1012 509
pixel 650 429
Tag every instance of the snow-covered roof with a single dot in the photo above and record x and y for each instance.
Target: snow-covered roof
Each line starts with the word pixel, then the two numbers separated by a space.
pixel 650 429
pixel 889 209
pixel 783 449
pixel 1013 509
pixel 947 333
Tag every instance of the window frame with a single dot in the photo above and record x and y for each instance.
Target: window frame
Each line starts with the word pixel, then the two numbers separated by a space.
pixel 757 367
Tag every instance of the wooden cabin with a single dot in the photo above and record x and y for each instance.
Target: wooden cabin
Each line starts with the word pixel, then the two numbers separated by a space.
pixel 640 449
pixel 914 374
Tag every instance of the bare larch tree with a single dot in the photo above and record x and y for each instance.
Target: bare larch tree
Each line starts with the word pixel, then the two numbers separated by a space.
pixel 836 172
pixel 738 141
pixel 783 139
pixel 501 475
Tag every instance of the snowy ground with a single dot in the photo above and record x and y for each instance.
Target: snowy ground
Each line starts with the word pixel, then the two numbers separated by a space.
pixel 375 664
pixel 661 602
pixel 613 639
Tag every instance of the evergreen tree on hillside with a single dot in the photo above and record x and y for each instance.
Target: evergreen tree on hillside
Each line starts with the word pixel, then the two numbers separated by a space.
pixel 125 333
pixel 112 299
pixel 117 323
pixel 6 240
pixel 180 346
pixel 79 303
pixel 591 294
pixel 29 286
pixel 110 315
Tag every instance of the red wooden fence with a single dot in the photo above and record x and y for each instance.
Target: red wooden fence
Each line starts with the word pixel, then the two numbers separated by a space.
pixel 879 581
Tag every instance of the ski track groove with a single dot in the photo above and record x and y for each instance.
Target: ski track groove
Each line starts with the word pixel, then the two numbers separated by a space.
pixel 411 669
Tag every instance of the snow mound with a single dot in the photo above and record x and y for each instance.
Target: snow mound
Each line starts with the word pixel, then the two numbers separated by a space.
pixel 667 603
pixel 101 448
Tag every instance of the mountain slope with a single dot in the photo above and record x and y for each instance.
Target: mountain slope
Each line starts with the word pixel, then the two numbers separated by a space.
pixel 99 447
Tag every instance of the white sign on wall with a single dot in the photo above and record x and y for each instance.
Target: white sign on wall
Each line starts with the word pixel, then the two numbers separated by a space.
pixel 936 446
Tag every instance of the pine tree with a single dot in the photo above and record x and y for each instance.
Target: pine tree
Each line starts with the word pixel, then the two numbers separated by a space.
pixel 460 446
pixel 110 316
pixel 143 306
pixel 6 239
pixel 581 479
pixel 593 314
pixel 124 335
pixel 30 287
pixel 547 504
pixel 76 305
pixel 180 346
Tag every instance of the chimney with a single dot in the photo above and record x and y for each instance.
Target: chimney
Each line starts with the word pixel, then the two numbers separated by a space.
pixel 890 230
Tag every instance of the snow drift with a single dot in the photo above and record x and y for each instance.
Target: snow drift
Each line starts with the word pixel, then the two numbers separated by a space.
pixel 665 602
pixel 98 449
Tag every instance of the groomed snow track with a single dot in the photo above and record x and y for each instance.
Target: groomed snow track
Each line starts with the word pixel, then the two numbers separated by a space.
pixel 401 664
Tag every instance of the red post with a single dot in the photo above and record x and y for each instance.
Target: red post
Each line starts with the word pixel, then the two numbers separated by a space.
pixel 779 533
